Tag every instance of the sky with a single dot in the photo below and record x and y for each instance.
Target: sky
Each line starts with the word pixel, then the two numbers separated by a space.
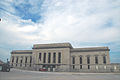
pixel 83 23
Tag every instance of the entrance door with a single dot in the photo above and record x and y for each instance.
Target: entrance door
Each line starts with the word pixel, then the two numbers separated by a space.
pixel 51 68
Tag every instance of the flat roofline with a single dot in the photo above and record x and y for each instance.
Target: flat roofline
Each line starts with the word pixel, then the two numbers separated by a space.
pixel 90 49
pixel 21 52
pixel 52 45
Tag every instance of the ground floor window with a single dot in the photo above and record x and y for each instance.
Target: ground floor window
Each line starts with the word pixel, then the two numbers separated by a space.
pixel 80 66
pixel 73 66
pixel 88 66
pixel 43 66
pixel 30 64
pixel 20 65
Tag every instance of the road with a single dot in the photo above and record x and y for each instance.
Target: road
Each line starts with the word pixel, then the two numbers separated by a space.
pixel 16 74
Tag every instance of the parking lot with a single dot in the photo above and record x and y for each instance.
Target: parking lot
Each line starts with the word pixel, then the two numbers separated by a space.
pixel 16 74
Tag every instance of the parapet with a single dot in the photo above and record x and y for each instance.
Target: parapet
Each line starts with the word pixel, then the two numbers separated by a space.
pixel 21 52
pixel 53 45
pixel 90 49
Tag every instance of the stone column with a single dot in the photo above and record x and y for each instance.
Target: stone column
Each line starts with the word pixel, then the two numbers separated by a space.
pixel 37 58
pixel 23 61
pixel 42 55
pixel 57 57
pixel 51 57
pixel 84 60
pixel 14 61
pixel 100 59
pixel 107 57
pixel 92 59
pixel 77 62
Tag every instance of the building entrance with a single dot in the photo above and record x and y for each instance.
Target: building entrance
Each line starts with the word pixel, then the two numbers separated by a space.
pixel 49 67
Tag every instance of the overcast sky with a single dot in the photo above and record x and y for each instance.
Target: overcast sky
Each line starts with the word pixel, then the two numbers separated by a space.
pixel 83 23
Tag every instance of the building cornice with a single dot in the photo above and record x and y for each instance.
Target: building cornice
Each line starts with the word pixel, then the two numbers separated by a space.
pixel 21 52
pixel 53 45
pixel 90 49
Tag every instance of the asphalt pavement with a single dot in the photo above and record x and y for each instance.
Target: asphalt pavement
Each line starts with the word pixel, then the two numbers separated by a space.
pixel 16 74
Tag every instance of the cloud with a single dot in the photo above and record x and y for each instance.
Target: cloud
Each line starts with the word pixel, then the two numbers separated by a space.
pixel 83 23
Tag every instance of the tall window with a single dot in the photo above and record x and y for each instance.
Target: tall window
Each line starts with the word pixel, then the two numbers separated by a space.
pixel 17 60
pixel 25 59
pixel 21 60
pixel 80 66
pixel 44 58
pixel 54 57
pixel 104 59
pixel 12 59
pixel 59 57
pixel 80 59
pixel 40 56
pixel 96 59
pixel 73 66
pixel 73 60
pixel 88 60
pixel 88 66
pixel 49 57
pixel 30 59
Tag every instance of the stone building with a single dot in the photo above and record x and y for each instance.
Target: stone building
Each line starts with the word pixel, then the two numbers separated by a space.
pixel 63 57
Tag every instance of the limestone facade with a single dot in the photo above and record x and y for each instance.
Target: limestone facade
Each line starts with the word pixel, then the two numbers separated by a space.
pixel 63 57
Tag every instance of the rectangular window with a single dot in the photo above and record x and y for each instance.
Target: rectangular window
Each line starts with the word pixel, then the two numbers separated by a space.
pixel 54 57
pixel 12 59
pixel 104 59
pixel 73 60
pixel 80 66
pixel 25 59
pixel 88 60
pixel 96 59
pixel 20 65
pixel 17 60
pixel 73 66
pixel 30 64
pixel 80 60
pixel 21 59
pixel 59 57
pixel 30 59
pixel 49 57
pixel 88 66
pixel 40 56
pixel 16 65
pixel 44 58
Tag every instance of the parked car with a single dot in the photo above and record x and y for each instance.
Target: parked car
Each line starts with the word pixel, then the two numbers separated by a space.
pixel 42 69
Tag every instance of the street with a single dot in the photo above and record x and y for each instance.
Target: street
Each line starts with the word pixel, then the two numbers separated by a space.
pixel 16 74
